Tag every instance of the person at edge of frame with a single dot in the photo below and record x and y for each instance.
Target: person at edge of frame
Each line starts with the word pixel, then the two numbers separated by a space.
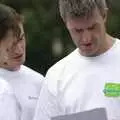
pixel 26 83
pixel 89 76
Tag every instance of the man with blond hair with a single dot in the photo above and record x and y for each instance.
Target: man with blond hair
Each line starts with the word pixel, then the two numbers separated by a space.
pixel 88 77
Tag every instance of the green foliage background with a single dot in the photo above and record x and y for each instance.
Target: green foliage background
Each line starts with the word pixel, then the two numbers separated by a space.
pixel 43 27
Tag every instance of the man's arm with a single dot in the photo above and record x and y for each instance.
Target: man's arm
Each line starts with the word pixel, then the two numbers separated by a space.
pixel 9 108
pixel 47 106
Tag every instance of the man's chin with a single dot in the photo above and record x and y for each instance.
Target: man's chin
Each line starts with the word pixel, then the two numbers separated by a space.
pixel 18 63
pixel 15 66
pixel 88 54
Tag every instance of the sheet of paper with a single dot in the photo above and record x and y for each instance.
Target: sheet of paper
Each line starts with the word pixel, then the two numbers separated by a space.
pixel 94 114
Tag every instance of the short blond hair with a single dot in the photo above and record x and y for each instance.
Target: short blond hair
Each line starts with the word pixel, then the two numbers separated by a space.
pixel 80 8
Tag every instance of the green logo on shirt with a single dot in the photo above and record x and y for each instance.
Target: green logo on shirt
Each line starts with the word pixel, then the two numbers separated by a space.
pixel 112 89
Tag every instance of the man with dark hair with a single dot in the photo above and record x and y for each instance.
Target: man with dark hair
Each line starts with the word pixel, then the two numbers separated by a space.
pixel 89 77
pixel 26 83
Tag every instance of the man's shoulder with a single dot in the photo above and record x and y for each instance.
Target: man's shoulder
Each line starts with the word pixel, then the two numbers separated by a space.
pixel 117 41
pixel 5 87
pixel 59 66
pixel 56 74
pixel 117 44
pixel 32 73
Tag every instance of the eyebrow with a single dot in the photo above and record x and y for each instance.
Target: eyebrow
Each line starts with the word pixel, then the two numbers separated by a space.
pixel 21 36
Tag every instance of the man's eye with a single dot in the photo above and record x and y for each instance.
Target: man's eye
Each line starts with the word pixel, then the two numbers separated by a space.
pixel 21 37
pixel 78 30
pixel 90 28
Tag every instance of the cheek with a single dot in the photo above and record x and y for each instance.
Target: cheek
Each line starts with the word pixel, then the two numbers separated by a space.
pixel 75 36
pixel 4 56
pixel 23 45
pixel 99 31
pixel 5 63
pixel 4 52
pixel 7 50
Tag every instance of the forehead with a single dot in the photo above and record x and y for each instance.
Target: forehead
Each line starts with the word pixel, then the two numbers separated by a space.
pixel 84 21
pixel 10 32
pixel 10 37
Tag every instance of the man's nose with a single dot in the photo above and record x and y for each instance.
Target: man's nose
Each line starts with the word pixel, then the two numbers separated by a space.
pixel 86 36
pixel 19 48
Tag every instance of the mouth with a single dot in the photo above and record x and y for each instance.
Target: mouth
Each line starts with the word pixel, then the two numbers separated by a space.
pixel 87 46
pixel 18 57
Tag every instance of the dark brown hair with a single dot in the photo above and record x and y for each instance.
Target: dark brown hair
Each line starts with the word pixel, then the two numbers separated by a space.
pixel 9 19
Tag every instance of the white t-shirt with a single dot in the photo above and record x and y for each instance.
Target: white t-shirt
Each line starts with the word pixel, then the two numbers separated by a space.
pixel 76 83
pixel 9 109
pixel 26 84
